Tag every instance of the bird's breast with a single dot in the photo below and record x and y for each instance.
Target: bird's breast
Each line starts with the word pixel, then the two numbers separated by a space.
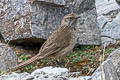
pixel 66 36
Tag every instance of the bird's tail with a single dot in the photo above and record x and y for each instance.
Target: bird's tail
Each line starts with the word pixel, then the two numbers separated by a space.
pixel 29 61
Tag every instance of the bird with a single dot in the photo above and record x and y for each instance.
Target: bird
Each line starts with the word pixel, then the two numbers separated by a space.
pixel 60 43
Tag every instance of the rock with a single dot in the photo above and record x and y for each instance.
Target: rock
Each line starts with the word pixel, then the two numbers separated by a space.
pixel 106 6
pixel 107 40
pixel 46 73
pixel 14 76
pixel 108 20
pixel 15 19
pixel 102 21
pixel 8 57
pixel 1 37
pixel 40 19
pixel 111 67
pixel 49 73
pixel 89 33
pixel 108 72
pixel 81 78
pixel 112 29
pixel 118 1
pixel 115 58
pixel 57 2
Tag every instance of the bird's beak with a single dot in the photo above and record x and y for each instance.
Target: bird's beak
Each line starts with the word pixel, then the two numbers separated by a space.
pixel 78 16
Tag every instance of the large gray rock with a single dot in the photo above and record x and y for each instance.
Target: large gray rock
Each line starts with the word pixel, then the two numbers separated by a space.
pixel 115 58
pixel 110 67
pixel 46 73
pixel 8 57
pixel 14 76
pixel 43 17
pixel 112 29
pixel 108 20
pixel 15 19
pixel 104 7
pixel 106 72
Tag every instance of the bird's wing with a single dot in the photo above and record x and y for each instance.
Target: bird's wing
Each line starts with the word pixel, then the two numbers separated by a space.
pixel 49 49
pixel 53 45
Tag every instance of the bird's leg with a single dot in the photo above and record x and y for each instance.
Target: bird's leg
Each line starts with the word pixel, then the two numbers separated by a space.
pixel 67 62
pixel 57 61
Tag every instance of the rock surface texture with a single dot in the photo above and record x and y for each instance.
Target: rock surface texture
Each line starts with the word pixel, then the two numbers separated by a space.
pixel 8 57
pixel 20 19
pixel 15 19
pixel 106 71
pixel 46 73
pixel 115 58
pixel 109 20
pixel 110 69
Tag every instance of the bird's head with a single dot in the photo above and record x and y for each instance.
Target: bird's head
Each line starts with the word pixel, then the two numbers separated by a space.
pixel 70 20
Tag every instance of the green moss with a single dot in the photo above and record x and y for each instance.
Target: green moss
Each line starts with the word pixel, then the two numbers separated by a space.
pixel 2 72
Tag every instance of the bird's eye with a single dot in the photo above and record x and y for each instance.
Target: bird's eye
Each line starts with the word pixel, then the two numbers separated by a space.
pixel 71 18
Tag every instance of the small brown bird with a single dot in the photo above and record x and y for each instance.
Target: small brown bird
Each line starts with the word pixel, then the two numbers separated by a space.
pixel 60 43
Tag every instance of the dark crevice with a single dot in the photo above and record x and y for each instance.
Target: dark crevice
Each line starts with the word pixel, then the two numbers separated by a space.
pixel 108 37
pixel 104 25
pixel 1 37
pixel 27 45
pixel 48 3
pixel 31 42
